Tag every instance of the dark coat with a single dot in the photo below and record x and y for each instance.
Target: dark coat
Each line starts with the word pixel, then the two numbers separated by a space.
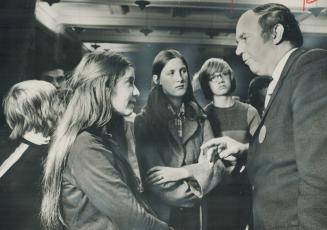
pixel 20 187
pixel 160 145
pixel 288 169
pixel 99 187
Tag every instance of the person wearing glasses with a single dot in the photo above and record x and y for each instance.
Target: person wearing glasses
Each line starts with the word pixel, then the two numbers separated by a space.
pixel 229 203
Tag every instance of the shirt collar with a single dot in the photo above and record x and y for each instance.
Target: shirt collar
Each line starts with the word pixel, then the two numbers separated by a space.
pixel 36 138
pixel 281 64
pixel 179 113
pixel 278 71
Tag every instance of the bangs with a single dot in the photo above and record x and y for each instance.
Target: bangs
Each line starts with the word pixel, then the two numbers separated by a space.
pixel 215 66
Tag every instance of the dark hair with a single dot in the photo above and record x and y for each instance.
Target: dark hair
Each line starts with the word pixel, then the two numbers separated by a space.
pixel 272 14
pixel 210 67
pixel 160 61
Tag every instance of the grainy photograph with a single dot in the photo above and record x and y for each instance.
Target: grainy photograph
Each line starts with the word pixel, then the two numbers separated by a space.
pixel 163 115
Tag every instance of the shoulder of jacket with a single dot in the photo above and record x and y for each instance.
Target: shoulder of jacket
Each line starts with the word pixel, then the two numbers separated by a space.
pixel 311 56
pixel 87 140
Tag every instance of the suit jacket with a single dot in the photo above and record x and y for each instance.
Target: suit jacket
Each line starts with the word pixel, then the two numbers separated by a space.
pixel 99 189
pixel 287 160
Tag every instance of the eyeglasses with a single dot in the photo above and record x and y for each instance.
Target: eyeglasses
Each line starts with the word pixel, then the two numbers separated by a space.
pixel 215 76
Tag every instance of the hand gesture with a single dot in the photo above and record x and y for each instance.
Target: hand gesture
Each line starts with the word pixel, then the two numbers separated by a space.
pixel 227 147
pixel 208 154
pixel 162 174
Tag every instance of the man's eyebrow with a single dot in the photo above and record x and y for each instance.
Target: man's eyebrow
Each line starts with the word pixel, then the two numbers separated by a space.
pixel 131 77
pixel 242 35
pixel 238 36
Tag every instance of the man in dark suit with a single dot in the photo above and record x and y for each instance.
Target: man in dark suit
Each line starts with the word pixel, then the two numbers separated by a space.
pixel 287 158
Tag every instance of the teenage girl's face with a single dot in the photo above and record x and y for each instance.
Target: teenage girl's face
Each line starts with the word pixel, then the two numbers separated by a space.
pixel 123 96
pixel 220 83
pixel 174 78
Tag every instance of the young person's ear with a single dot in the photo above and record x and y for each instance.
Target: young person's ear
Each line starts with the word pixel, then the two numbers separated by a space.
pixel 155 79
pixel 278 34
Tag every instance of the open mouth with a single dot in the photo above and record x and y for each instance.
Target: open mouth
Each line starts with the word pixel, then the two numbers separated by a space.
pixel 180 87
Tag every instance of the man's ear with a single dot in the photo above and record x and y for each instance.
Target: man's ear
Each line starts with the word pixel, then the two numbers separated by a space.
pixel 155 79
pixel 277 34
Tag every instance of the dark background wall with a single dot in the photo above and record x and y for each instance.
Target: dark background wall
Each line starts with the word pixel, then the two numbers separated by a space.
pixel 27 48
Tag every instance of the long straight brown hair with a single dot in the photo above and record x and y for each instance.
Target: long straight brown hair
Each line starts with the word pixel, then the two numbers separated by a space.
pixel 92 83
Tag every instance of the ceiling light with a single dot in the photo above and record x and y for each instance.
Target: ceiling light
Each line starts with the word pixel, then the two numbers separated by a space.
pixel 95 46
pixel 146 31
pixel 142 3
pixel 50 2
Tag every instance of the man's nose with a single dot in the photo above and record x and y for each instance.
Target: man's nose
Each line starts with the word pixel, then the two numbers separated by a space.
pixel 136 92
pixel 239 49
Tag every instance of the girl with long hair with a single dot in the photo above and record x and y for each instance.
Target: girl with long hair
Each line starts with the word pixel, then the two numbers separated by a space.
pixel 88 182
pixel 169 133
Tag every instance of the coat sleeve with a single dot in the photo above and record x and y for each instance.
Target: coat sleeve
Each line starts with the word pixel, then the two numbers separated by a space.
pixel 180 193
pixel 95 173
pixel 207 178
pixel 309 108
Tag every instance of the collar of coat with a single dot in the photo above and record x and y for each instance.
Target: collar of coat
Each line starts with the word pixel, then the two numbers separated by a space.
pixel 159 119
pixel 112 133
pixel 289 66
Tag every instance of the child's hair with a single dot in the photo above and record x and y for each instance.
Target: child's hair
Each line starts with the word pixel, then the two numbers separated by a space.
pixel 28 106
pixel 209 67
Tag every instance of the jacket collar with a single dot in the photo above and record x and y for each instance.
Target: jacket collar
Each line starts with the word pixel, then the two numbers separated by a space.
pixel 294 56
pixel 112 132
pixel 161 119
pixel 190 125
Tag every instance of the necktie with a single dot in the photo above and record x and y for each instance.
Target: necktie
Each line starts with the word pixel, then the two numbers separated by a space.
pixel 270 91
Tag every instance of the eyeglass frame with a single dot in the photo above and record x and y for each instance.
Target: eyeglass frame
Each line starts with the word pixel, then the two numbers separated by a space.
pixel 214 77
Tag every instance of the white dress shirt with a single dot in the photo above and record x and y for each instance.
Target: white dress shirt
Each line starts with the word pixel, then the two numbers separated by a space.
pixel 277 74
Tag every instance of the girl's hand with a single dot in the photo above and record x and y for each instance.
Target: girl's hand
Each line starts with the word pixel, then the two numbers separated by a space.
pixel 208 154
pixel 162 174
